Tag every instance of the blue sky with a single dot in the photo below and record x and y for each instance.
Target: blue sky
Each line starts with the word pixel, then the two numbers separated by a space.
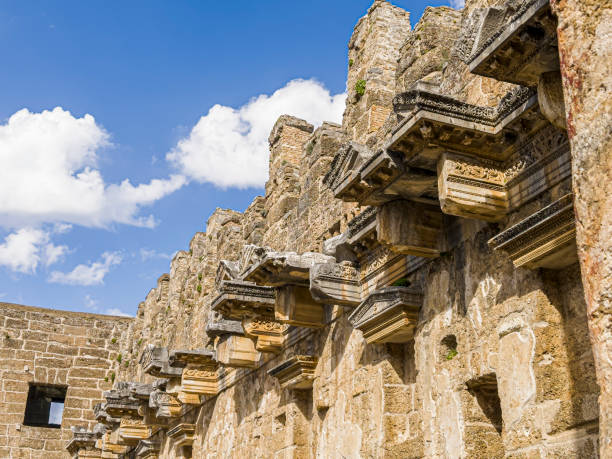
pixel 162 94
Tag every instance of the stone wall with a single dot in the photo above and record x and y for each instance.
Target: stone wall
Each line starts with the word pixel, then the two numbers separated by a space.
pixel 442 218
pixel 44 346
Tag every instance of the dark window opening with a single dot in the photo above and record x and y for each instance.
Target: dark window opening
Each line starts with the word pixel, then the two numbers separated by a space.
pixel 485 391
pixel 45 406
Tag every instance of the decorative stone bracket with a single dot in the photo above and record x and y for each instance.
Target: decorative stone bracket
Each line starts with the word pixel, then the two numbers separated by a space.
pixel 147 449
pixel 232 347
pixel 83 443
pixel 290 274
pixel 154 361
pixel 132 429
pixel 182 434
pixel 200 373
pixel 254 305
pixel 296 373
pixel 335 283
pixel 164 404
pixel 388 315
pixel 546 239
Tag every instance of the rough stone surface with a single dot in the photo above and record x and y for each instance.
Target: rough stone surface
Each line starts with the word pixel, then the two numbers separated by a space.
pixel 49 347
pixel 480 358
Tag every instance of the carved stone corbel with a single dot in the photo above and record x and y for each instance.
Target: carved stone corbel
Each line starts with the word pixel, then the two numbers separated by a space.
pixel 200 373
pixel 335 283
pixel 182 434
pixel 410 228
pixel 472 189
pixel 295 373
pixel 388 315
pixel 546 239
pixel 154 361
pixel 147 449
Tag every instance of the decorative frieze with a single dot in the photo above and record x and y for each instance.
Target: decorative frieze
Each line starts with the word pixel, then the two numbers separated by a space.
pixel 546 239
pixel 182 434
pixel 335 283
pixel 154 361
pixel 388 315
pixel 199 381
pixel 296 373
pixel 472 189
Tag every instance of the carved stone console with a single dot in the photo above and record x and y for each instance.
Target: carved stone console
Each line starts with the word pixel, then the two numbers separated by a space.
pixel 132 429
pixel 154 361
pixel 546 239
pixel 254 305
pixel 165 405
pixel 335 283
pixel 147 449
pixel 290 274
pixel 200 373
pixel 83 444
pixel 295 373
pixel 410 228
pixel 388 315
pixel 516 45
pixel 232 347
pixel 182 434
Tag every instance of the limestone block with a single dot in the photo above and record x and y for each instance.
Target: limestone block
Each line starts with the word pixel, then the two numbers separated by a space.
pixel 147 449
pixel 237 351
pixel 182 434
pixel 335 283
pixel 295 306
pixel 268 333
pixel 546 239
pixel 388 315
pixel 295 373
pixel 132 430
pixel 155 362
pixel 472 189
pixel 410 228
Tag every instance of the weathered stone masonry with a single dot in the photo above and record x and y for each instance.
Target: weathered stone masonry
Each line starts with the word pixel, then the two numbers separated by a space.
pixel 54 348
pixel 428 279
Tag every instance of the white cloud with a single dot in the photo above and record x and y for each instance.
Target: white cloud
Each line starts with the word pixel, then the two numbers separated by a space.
pixel 91 303
pixel 229 147
pixel 23 250
pixel 116 312
pixel 49 175
pixel 92 274
pixel 457 4
pixel 149 254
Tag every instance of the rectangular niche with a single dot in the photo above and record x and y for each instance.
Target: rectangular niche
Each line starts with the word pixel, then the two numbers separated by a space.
pixel 483 418
pixel 45 406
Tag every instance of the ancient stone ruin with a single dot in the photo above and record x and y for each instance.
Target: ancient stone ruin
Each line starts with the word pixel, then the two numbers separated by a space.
pixel 431 279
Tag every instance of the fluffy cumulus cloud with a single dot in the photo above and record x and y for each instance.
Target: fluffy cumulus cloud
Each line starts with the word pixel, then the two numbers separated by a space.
pixel 229 147
pixel 49 175
pixel 458 4
pixel 24 250
pixel 88 274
